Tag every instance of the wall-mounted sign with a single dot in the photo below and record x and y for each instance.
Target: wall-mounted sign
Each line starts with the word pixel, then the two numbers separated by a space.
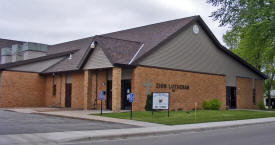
pixel 160 101
pixel 173 87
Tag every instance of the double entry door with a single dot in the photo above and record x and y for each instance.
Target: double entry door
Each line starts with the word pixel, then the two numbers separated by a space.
pixel 231 99
pixel 125 90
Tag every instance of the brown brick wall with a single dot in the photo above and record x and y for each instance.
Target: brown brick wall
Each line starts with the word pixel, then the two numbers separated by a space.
pixel 59 99
pixel 21 89
pixel 101 86
pixel 201 87
pixel 244 93
pixel 77 90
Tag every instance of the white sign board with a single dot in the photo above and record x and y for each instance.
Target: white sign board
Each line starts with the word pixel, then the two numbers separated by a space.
pixel 160 101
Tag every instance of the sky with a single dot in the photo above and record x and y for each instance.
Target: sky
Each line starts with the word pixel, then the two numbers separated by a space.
pixel 56 21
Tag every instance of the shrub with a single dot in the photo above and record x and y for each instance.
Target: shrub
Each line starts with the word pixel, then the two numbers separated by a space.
pixel 205 105
pixel 148 106
pixel 213 104
pixel 261 105
pixel 180 109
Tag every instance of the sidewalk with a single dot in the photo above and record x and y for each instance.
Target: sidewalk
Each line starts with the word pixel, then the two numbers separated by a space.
pixel 81 114
pixel 74 136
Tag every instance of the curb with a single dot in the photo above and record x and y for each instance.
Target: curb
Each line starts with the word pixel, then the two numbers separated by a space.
pixel 170 130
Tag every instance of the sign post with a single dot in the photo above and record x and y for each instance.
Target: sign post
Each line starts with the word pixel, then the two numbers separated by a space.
pixel 160 101
pixel 131 100
pixel 196 104
pixel 101 98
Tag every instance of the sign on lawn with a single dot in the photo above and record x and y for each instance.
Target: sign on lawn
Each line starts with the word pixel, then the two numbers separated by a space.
pixel 131 97
pixel 101 95
pixel 160 101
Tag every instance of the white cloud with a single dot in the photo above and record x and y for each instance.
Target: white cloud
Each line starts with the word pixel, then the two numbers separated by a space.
pixel 53 21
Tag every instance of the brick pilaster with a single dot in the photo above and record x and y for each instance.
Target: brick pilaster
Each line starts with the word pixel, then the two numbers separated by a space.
pixel 116 89
pixel 87 89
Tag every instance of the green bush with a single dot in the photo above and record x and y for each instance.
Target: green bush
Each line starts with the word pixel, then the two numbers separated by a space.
pixel 205 105
pixel 261 105
pixel 148 106
pixel 180 109
pixel 213 104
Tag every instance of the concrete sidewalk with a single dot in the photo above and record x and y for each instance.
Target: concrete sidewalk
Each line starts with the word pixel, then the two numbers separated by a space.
pixel 74 136
pixel 81 114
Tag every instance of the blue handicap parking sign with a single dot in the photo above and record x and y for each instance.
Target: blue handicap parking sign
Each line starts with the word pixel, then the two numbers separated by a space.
pixel 101 96
pixel 131 97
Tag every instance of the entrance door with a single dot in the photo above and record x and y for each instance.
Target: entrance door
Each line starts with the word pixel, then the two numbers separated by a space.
pixel 231 97
pixel 109 95
pixel 68 95
pixel 125 90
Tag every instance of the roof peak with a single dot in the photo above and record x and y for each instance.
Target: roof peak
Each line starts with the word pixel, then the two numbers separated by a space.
pixel 162 22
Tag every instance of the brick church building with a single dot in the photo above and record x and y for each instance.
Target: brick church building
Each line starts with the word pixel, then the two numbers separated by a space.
pixel 181 57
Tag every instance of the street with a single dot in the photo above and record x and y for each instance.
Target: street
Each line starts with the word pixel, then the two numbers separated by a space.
pixel 23 123
pixel 248 135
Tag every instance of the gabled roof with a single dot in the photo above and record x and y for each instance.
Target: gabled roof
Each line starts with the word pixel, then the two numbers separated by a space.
pixel 152 35
pixel 71 45
pixel 122 46
pixel 118 52
pixel 80 46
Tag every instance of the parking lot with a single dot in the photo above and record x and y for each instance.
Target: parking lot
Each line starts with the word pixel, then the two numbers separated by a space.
pixel 19 123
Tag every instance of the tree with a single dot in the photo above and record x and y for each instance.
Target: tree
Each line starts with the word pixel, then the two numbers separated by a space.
pixel 251 34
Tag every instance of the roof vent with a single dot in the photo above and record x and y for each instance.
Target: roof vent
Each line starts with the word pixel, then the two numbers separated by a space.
pixel 71 56
pixel 93 44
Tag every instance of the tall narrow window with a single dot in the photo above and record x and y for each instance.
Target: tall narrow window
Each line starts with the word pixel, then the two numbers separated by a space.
pixel 54 85
pixel 254 96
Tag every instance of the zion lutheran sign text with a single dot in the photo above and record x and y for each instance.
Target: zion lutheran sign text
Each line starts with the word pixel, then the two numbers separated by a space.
pixel 173 87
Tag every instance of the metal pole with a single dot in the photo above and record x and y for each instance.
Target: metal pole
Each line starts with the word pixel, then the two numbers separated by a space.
pixel 101 107
pixel 131 111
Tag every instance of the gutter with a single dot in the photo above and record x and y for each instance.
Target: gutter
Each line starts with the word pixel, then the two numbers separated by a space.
pixel 131 61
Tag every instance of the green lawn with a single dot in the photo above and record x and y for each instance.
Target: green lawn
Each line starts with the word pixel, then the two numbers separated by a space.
pixel 188 117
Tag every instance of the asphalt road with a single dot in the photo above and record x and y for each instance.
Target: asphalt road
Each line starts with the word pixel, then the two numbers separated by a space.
pixel 249 135
pixel 18 123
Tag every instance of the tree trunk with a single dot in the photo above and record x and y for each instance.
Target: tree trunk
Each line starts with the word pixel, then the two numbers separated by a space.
pixel 269 90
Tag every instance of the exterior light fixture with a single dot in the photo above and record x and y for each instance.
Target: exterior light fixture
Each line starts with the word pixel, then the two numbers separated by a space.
pixel 70 56
pixel 93 44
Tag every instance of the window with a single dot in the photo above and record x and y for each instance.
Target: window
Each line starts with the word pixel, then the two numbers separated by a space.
pixel 54 85
pixel 254 96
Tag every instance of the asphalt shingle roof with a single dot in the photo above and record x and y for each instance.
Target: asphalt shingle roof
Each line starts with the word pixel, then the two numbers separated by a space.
pixel 120 47
pixel 151 35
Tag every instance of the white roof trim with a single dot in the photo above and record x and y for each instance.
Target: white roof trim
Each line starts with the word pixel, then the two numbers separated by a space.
pixel 136 54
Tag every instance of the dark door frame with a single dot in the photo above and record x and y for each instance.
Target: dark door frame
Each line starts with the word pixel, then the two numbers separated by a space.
pixel 109 95
pixel 125 85
pixel 231 98
pixel 68 95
